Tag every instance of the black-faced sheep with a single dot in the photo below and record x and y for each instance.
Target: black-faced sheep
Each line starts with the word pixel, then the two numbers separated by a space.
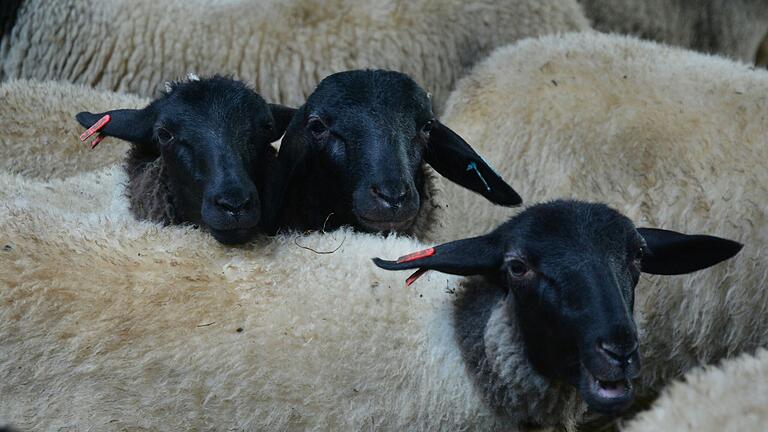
pixel 201 154
pixel 673 138
pixel 571 268
pixel 283 47
pixel 733 28
pixel 279 337
pixel 356 152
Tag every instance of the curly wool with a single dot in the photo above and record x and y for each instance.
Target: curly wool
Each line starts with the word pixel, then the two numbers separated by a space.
pixel 272 336
pixel 729 397
pixel 733 28
pixel 672 138
pixel 284 47
pixel 39 136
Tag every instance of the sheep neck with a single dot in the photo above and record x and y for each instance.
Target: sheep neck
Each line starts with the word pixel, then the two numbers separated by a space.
pixel 494 351
pixel 148 191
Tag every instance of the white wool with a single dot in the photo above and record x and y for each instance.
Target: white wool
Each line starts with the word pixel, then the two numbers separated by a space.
pixel 283 47
pixel 730 397
pixel 40 136
pixel 732 28
pixel 112 324
pixel 672 138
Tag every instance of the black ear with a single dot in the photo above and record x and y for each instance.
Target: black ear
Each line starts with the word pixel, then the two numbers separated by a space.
pixel 282 115
pixel 673 253
pixel 126 124
pixel 452 157
pixel 476 255
pixel 291 163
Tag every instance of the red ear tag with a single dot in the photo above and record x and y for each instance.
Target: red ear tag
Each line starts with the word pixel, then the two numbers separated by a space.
pixel 99 138
pixel 419 273
pixel 95 128
pixel 416 255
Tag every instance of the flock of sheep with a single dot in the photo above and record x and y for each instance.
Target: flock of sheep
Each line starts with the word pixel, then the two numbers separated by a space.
pixel 208 265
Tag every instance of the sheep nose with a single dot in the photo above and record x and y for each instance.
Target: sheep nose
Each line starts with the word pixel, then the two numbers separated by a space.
pixel 391 195
pixel 231 203
pixel 617 353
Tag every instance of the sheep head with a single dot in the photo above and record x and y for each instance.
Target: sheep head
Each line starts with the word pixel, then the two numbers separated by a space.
pixel 571 269
pixel 213 138
pixel 369 132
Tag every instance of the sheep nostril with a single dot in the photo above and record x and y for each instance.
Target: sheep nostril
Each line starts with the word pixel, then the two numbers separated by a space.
pixel 390 197
pixel 617 353
pixel 231 204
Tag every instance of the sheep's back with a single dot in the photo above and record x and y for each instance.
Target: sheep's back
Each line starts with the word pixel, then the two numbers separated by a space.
pixel 729 397
pixel 117 324
pixel 284 48
pixel 674 139
pixel 39 136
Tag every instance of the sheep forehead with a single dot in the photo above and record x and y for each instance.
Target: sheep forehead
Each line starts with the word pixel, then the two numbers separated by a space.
pixel 571 229
pixel 380 93
pixel 215 104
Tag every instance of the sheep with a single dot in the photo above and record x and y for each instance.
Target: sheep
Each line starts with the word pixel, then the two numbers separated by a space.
pixel 670 137
pixel 201 153
pixel 733 28
pixel 731 397
pixel 356 152
pixel 284 47
pixel 9 10
pixel 39 138
pixel 202 335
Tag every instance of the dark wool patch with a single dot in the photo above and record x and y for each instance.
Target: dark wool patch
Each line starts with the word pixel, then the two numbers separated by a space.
pixel 148 192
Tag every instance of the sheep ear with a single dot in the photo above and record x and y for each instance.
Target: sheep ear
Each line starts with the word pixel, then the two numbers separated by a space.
pixel 282 115
pixel 476 255
pixel 673 253
pixel 452 157
pixel 126 124
pixel 291 163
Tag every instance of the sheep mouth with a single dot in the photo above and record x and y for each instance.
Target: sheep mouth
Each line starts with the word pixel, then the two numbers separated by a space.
pixel 606 396
pixel 391 225
pixel 233 236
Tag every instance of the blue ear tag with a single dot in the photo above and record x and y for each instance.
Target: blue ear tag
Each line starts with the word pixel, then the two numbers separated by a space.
pixel 473 166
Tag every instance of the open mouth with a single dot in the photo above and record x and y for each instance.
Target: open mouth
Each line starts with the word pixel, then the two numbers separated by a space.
pixel 386 225
pixel 233 236
pixel 611 390
pixel 606 396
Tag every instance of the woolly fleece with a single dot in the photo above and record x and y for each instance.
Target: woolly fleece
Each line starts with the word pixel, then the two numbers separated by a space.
pixel 730 397
pixel 112 324
pixel 39 136
pixel 733 28
pixel 284 47
pixel 672 138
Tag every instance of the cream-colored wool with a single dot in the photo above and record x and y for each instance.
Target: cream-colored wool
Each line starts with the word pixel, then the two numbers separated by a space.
pixel 91 194
pixel 731 397
pixel 39 133
pixel 672 138
pixel 284 47
pixel 111 324
pixel 733 28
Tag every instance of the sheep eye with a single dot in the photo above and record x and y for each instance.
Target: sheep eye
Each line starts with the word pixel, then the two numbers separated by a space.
pixel 427 128
pixel 316 126
pixel 637 260
pixel 164 136
pixel 517 267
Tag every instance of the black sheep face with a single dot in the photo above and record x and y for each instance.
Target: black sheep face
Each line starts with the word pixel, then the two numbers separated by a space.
pixel 572 268
pixel 370 132
pixel 213 136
